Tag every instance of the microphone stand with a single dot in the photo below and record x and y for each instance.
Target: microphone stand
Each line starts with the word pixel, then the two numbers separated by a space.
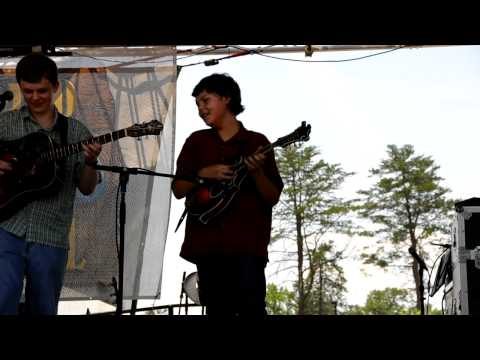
pixel 6 96
pixel 2 104
pixel 125 173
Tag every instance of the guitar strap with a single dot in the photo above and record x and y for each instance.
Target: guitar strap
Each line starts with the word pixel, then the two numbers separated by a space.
pixel 185 212
pixel 62 127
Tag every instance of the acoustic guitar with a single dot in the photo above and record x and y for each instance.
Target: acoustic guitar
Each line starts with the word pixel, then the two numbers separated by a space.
pixel 36 168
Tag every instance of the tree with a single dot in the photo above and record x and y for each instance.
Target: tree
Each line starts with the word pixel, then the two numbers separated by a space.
pixel 280 301
pixel 409 206
pixel 389 301
pixel 308 211
pixel 328 282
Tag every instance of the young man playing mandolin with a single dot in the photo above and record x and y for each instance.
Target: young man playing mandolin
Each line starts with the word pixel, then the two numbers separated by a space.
pixel 230 250
pixel 34 239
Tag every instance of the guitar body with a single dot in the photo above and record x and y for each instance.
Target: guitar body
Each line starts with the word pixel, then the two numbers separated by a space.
pixel 32 177
pixel 207 202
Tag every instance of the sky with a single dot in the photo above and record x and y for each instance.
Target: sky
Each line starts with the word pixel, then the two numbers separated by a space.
pixel 426 97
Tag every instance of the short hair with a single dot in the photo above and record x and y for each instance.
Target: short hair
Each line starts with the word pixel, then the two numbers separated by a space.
pixel 33 67
pixel 223 85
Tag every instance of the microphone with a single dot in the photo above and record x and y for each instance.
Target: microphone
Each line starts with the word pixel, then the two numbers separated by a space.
pixel 412 252
pixel 6 96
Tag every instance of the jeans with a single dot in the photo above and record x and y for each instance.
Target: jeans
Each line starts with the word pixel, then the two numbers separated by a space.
pixel 232 285
pixel 42 266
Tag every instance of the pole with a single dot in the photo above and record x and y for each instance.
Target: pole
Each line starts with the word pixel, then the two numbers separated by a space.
pixel 124 177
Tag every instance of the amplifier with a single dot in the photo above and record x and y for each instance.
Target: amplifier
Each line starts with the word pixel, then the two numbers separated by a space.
pixel 464 296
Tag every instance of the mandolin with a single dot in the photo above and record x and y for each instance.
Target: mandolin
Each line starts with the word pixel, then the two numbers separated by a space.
pixel 209 200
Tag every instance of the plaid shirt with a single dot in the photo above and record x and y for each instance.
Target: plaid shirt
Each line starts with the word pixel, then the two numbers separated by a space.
pixel 46 220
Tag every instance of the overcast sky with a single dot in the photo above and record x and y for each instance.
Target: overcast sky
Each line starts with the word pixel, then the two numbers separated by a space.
pixel 426 97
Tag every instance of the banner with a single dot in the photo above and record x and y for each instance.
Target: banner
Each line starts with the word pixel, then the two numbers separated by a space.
pixel 109 89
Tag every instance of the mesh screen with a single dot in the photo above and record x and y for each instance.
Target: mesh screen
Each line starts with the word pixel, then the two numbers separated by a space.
pixel 108 91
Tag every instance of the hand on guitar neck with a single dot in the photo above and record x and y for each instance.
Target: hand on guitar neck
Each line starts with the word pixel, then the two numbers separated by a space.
pixel 232 176
pixel 91 152
pixel 255 162
pixel 221 172
pixel 267 190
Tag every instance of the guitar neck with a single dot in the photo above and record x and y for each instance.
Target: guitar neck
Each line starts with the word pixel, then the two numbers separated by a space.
pixel 264 150
pixel 61 152
pixel 289 139
pixel 267 148
pixel 295 136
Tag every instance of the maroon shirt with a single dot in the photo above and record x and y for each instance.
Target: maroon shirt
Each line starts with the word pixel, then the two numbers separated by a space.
pixel 244 227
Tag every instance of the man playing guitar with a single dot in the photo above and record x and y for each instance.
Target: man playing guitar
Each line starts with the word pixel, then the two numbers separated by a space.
pixel 34 240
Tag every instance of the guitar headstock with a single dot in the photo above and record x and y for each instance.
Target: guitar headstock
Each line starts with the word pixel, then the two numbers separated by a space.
pixel 302 133
pixel 153 127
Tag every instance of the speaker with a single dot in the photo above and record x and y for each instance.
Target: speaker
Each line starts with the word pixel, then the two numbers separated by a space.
pixel 465 252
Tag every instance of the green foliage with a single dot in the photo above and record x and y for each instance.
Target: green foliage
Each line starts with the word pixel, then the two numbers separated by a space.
pixel 433 311
pixel 328 284
pixel 390 301
pixel 309 192
pixel 308 211
pixel 407 204
pixel 407 199
pixel 280 301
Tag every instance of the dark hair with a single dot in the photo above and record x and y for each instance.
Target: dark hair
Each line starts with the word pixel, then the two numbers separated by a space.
pixel 223 85
pixel 33 67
